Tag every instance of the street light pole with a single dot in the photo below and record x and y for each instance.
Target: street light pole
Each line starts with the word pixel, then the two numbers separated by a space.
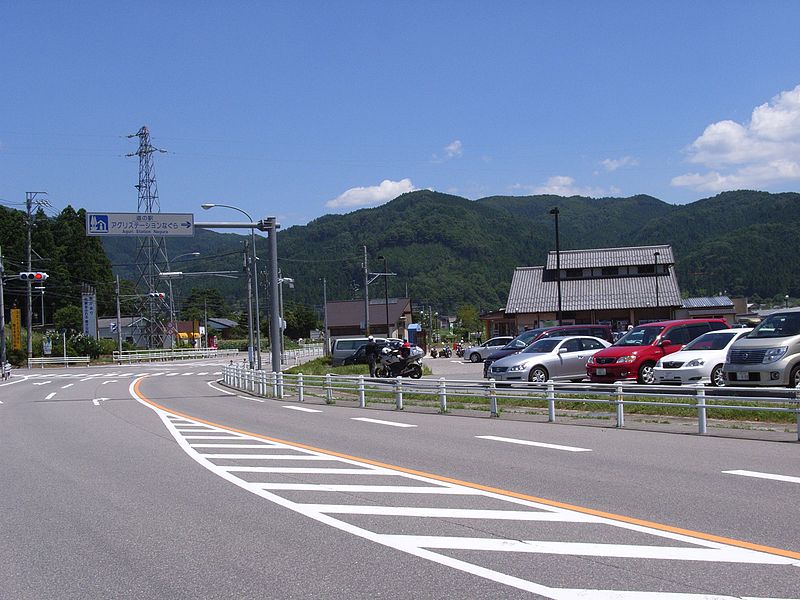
pixel 554 212
pixel 172 326
pixel 386 293
pixel 253 276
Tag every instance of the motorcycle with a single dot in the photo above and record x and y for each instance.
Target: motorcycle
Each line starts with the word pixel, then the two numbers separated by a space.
pixel 460 350
pixel 434 354
pixel 395 365
pixel 445 352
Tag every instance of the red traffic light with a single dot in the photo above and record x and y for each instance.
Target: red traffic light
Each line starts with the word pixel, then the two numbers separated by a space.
pixel 33 276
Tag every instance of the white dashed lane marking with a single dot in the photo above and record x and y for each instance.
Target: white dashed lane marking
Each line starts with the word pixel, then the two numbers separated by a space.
pixel 250 398
pixel 529 443
pixel 49 396
pixel 63 387
pixel 303 409
pixel 772 476
pixel 379 422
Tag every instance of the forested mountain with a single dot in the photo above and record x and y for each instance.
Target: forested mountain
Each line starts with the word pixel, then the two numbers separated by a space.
pixel 447 250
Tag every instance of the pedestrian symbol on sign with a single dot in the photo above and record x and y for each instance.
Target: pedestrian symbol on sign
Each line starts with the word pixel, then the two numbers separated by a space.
pixel 98 224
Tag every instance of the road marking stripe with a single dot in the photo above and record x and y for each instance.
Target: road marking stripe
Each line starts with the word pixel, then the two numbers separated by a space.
pixel 42 382
pixel 172 374
pixel 107 382
pixel 203 373
pixel 185 374
pixel 249 398
pixel 303 409
pixel 788 478
pixel 212 386
pixel 379 422
pixel 214 437
pixel 63 387
pixel 388 489
pixel 307 470
pixel 50 395
pixel 462 565
pixel 528 443
pixel 264 456
pixel 264 446
pixel 452 513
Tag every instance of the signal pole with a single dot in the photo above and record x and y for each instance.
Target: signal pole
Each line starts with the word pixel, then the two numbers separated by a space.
pixel 30 197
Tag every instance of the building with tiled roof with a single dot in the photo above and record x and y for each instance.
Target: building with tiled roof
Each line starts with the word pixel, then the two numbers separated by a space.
pixel 613 286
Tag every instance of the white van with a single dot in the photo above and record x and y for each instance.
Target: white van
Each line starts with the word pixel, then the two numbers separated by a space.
pixel 344 347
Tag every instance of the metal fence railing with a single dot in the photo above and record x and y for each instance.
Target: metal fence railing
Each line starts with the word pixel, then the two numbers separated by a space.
pixel 301 354
pixel 614 398
pixel 131 356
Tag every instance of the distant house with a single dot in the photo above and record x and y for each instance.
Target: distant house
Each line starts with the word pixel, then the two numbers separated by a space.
pixel 714 306
pixel 347 317
pixel 613 286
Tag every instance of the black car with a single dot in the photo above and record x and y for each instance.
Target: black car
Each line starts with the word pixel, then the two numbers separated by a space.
pixel 359 357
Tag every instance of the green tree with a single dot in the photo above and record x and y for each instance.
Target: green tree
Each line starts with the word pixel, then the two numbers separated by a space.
pixel 69 317
pixel 202 301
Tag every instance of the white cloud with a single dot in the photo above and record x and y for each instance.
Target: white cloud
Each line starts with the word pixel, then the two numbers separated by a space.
pixel 560 185
pixel 372 195
pixel 762 152
pixel 612 164
pixel 454 149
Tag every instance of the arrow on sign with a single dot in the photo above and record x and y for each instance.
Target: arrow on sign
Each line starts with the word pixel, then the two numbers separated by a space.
pixel 186 224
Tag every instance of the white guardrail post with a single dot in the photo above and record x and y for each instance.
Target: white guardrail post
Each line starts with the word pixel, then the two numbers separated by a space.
pixel 273 382
pixel 398 393
pixel 620 407
pixel 280 384
pixel 362 399
pixel 442 395
pixel 328 389
pixel 551 402
pixel 300 391
pixel 700 394
pixel 492 398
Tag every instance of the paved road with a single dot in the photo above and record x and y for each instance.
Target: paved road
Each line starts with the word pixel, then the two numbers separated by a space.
pixel 155 482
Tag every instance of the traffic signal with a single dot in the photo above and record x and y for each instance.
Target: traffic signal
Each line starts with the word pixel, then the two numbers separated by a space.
pixel 156 295
pixel 33 276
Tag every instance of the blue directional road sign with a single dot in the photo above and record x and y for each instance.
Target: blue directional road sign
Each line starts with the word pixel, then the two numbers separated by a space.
pixel 140 224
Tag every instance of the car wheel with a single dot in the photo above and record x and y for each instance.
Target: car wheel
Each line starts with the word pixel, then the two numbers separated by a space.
pixel 717 377
pixel 474 357
pixel 416 372
pixel 794 378
pixel 538 375
pixel 646 374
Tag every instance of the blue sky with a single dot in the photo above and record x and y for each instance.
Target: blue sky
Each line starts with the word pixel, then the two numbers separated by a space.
pixel 299 109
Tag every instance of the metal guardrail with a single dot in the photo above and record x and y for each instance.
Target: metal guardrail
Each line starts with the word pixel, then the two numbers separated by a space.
pixel 58 360
pixel 131 356
pixel 693 398
pixel 304 352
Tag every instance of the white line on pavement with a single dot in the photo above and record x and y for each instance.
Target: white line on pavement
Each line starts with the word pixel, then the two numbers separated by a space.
pixel 172 374
pixel 42 382
pixel 788 478
pixel 529 443
pixel 63 387
pixel 379 422
pixel 302 409
pixel 203 373
pixel 50 395
pixel 386 489
pixel 452 513
pixel 249 398
pixel 212 386
pixel 112 381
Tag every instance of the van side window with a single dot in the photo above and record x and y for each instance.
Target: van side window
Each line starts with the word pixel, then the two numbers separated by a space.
pixel 677 335
pixel 714 325
pixel 698 329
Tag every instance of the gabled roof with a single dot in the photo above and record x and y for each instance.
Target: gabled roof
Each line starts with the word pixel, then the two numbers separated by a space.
pixel 529 293
pixel 351 312
pixel 611 257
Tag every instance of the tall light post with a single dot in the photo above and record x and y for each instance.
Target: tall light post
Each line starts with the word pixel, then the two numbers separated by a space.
pixel 554 212
pixel 172 326
pixel 386 293
pixel 656 254
pixel 253 275
pixel 281 281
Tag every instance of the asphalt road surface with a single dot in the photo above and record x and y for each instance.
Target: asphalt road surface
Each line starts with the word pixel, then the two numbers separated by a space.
pixel 157 482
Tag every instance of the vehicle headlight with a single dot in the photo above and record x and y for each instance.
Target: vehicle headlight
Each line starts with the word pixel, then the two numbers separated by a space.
pixel 590 361
pixel 774 354
pixel 658 365
pixel 696 362
pixel 517 368
pixel 627 359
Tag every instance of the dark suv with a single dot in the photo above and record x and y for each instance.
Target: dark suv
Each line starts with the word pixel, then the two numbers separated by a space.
pixel 526 338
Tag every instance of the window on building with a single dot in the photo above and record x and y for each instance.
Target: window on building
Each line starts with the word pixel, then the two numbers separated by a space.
pixel 610 271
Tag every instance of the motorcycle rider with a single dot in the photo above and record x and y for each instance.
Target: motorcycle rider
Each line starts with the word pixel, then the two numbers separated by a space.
pixel 371 352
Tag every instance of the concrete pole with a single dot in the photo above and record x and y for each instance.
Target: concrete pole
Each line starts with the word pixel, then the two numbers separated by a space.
pixel 366 293
pixel 249 306
pixel 119 323
pixel 275 327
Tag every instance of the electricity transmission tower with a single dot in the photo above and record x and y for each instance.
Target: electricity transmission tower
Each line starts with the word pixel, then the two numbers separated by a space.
pixel 151 254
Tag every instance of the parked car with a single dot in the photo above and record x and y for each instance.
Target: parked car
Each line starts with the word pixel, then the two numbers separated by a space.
pixel 634 355
pixel 359 357
pixel 479 352
pixel 344 347
pixel 548 358
pixel 526 338
pixel 700 361
pixel 769 355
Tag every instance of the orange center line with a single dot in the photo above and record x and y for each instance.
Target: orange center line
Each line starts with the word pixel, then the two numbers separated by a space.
pixel 477 486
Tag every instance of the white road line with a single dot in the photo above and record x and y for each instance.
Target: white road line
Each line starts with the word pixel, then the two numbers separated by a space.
pixel 42 382
pixel 303 409
pixel 214 437
pixel 379 422
pixel 721 554
pixel 185 374
pixel 452 513
pixel 212 386
pixel 266 456
pixel 217 372
pixel 203 373
pixel 387 489
pixel 788 478
pixel 63 387
pixel 249 398
pixel 107 382
pixel 172 374
pixel 50 395
pixel 263 446
pixel 529 443
pixel 307 470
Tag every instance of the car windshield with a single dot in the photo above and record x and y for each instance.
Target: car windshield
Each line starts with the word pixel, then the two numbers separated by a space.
pixel 711 341
pixel 640 336
pixel 545 345
pixel 777 325
pixel 523 339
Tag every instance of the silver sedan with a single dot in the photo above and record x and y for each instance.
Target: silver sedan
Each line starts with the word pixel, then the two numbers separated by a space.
pixel 549 358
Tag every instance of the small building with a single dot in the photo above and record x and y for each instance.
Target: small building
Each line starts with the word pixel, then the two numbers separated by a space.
pixel 720 307
pixel 347 318
pixel 610 286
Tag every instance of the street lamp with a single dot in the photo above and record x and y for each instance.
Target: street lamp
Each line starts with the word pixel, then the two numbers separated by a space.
pixel 786 301
pixel 172 327
pixel 656 254
pixel 554 212
pixel 253 275
pixel 386 292
pixel 281 281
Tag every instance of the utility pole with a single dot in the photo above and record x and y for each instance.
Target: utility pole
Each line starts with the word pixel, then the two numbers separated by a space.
pixel 205 319
pixel 275 327
pixel 2 317
pixel 119 324
pixel 325 315
pixel 247 268
pixel 366 293
pixel 29 201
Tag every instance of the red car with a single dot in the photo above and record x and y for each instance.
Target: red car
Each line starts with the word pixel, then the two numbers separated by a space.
pixel 635 354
